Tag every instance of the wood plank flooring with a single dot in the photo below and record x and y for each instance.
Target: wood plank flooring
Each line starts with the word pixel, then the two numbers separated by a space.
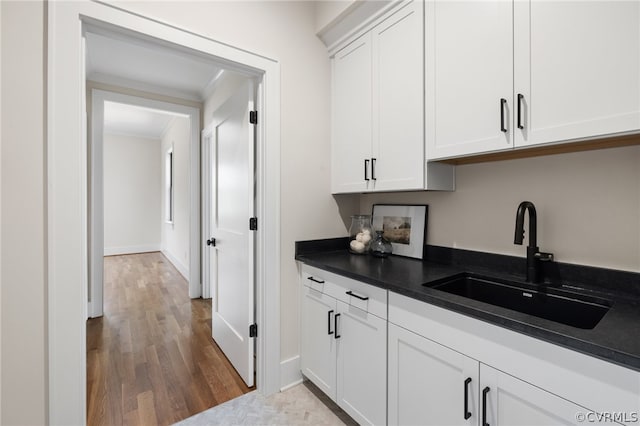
pixel 151 359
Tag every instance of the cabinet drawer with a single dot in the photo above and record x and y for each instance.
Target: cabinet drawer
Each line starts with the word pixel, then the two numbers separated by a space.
pixel 363 296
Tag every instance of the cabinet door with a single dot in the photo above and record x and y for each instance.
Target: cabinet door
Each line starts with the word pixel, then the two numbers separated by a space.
pixel 398 96
pixel 469 77
pixel 427 382
pixel 351 127
pixel 577 66
pixel 318 343
pixel 512 402
pixel 362 361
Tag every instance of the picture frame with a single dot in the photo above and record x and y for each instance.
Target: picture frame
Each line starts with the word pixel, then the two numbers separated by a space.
pixel 404 225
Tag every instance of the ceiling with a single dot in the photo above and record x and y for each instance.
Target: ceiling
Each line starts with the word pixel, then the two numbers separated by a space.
pixel 129 61
pixel 130 120
pixel 145 65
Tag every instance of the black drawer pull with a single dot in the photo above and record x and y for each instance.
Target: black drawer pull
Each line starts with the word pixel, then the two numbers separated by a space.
pixel 373 169
pixel 350 293
pixel 335 325
pixel 503 104
pixel 520 98
pixel 467 413
pixel 315 281
pixel 366 170
pixel 329 332
pixel 485 391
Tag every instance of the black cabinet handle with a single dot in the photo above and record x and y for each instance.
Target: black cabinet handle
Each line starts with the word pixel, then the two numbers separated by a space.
pixel 335 325
pixel 520 98
pixel 315 281
pixel 503 103
pixel 211 242
pixel 467 414
pixel 329 332
pixel 366 170
pixel 485 391
pixel 350 293
pixel 373 169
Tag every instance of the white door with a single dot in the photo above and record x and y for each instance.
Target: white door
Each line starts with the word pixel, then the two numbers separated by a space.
pixel 232 255
pixel 469 77
pixel 430 384
pixel 318 340
pixel 577 69
pixel 512 402
pixel 362 360
pixel 398 79
pixel 351 110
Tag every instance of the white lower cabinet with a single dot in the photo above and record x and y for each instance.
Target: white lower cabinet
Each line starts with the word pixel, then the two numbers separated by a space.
pixel 428 382
pixel 362 360
pixel 344 345
pixel 318 348
pixel 387 358
pixel 449 369
pixel 508 401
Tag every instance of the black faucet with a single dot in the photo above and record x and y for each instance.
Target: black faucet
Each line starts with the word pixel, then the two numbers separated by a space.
pixel 534 256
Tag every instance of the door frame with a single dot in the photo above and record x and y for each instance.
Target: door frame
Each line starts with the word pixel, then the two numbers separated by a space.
pixel 96 194
pixel 67 209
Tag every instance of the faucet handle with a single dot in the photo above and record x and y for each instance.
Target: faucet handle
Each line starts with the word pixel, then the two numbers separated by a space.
pixel 544 257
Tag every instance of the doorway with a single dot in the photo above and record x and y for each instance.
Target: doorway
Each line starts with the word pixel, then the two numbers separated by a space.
pixel 67 201
pixel 190 264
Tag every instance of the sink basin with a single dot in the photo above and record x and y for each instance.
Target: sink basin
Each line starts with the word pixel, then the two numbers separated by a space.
pixel 554 305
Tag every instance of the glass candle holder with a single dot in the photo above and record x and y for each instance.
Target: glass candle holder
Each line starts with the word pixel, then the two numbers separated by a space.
pixel 360 234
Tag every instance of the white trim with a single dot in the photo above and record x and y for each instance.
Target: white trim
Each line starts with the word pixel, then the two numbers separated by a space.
pixel 184 271
pixel 117 251
pixel 290 374
pixel 205 187
pixel 1 286
pixel 145 87
pixel 65 235
pixel 96 236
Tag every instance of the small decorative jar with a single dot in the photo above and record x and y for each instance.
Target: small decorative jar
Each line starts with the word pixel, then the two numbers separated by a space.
pixel 360 234
pixel 380 246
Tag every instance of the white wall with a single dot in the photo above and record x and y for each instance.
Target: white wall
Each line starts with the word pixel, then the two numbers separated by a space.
pixel 22 230
pixel 132 190
pixel 588 207
pixel 175 236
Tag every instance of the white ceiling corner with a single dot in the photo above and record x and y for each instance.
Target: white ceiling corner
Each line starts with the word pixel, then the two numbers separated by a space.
pixel 130 120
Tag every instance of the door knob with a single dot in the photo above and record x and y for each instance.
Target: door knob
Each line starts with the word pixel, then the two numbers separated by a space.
pixel 211 242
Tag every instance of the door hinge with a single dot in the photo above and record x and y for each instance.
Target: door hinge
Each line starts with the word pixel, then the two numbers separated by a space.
pixel 253 117
pixel 253 224
pixel 253 330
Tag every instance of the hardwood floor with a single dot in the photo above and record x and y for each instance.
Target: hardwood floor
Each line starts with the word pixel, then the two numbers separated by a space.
pixel 151 359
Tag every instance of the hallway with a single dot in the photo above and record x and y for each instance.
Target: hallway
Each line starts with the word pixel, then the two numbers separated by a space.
pixel 151 359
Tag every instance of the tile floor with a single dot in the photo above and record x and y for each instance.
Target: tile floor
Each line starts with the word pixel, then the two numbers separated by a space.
pixel 303 404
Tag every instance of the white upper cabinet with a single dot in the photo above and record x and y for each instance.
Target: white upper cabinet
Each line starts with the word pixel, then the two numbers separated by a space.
pixel 351 109
pixel 505 74
pixel 577 67
pixel 469 77
pixel 398 140
pixel 378 108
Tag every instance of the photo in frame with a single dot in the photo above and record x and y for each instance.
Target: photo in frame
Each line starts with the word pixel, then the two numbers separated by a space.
pixel 405 226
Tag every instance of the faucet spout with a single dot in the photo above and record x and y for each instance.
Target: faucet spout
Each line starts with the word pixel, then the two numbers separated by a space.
pixel 534 256
pixel 533 226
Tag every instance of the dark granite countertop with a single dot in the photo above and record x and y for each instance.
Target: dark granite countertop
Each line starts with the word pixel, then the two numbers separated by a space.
pixel 614 338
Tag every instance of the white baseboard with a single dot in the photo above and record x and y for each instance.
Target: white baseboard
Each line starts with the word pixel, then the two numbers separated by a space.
pixel 114 251
pixel 184 271
pixel 290 374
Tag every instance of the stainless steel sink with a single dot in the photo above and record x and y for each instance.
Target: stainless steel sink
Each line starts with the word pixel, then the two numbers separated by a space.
pixel 549 303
